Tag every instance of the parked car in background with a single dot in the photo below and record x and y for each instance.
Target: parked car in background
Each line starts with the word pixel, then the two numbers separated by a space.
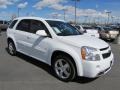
pixel 80 28
pixel 91 31
pixel 116 27
pixel 61 46
pixel 100 29
pixel 3 24
pixel 109 33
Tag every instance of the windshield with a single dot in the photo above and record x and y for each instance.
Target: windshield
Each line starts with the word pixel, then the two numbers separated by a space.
pixel 107 28
pixel 99 28
pixel 62 28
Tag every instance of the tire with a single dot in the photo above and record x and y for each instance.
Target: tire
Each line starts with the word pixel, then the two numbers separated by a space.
pixel 11 48
pixel 64 68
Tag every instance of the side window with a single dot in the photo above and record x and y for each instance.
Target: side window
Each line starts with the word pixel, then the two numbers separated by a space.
pixel 37 25
pixel 13 24
pixel 24 25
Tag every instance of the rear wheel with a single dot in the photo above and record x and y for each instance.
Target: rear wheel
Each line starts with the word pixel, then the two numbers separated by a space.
pixel 11 48
pixel 64 68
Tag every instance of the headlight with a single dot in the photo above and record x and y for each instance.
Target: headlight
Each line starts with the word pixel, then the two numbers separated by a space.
pixel 89 53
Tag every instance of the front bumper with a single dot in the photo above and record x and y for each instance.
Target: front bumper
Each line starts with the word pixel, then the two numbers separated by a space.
pixel 94 69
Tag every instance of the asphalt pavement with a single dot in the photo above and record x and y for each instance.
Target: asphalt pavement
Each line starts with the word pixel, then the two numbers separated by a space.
pixel 24 73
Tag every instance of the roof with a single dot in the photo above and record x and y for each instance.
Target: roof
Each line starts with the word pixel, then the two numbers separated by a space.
pixel 38 18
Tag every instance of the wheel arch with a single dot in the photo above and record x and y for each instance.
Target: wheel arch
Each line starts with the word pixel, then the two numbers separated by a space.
pixel 11 39
pixel 75 59
pixel 57 52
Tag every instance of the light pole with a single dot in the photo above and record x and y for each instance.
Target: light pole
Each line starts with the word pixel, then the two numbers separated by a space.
pixel 112 17
pixel 76 10
pixel 86 18
pixel 18 11
pixel 64 13
pixel 108 13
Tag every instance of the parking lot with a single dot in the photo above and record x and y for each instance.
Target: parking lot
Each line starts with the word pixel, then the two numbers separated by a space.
pixel 24 73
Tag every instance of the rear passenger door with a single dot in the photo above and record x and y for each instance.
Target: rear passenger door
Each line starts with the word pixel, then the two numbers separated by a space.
pixel 22 36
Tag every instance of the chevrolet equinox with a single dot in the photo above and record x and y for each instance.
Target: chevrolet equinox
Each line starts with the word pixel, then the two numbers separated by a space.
pixel 60 45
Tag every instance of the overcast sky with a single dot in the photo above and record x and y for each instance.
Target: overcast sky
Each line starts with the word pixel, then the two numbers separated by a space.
pixel 50 8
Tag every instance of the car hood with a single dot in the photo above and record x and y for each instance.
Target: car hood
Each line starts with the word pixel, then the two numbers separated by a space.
pixel 83 40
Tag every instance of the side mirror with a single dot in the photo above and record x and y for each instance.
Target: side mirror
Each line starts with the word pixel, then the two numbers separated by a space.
pixel 41 33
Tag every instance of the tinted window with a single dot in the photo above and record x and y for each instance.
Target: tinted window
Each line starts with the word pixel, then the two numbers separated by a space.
pixel 13 24
pixel 107 28
pixel 37 25
pixel 88 27
pixel 24 25
pixel 98 28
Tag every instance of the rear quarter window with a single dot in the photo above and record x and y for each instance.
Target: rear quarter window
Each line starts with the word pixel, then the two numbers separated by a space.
pixel 13 24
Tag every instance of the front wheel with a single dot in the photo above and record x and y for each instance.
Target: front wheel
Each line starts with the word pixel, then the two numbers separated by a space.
pixel 64 68
pixel 11 48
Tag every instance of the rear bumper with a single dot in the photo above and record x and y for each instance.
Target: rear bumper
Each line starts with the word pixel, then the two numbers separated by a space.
pixel 94 69
pixel 109 36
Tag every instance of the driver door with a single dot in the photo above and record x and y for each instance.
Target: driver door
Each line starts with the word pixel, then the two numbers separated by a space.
pixel 40 45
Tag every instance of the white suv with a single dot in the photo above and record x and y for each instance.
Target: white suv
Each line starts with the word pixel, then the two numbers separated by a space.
pixel 61 46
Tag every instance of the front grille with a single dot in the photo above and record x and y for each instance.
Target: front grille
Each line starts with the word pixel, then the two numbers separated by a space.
pixel 104 49
pixel 106 55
